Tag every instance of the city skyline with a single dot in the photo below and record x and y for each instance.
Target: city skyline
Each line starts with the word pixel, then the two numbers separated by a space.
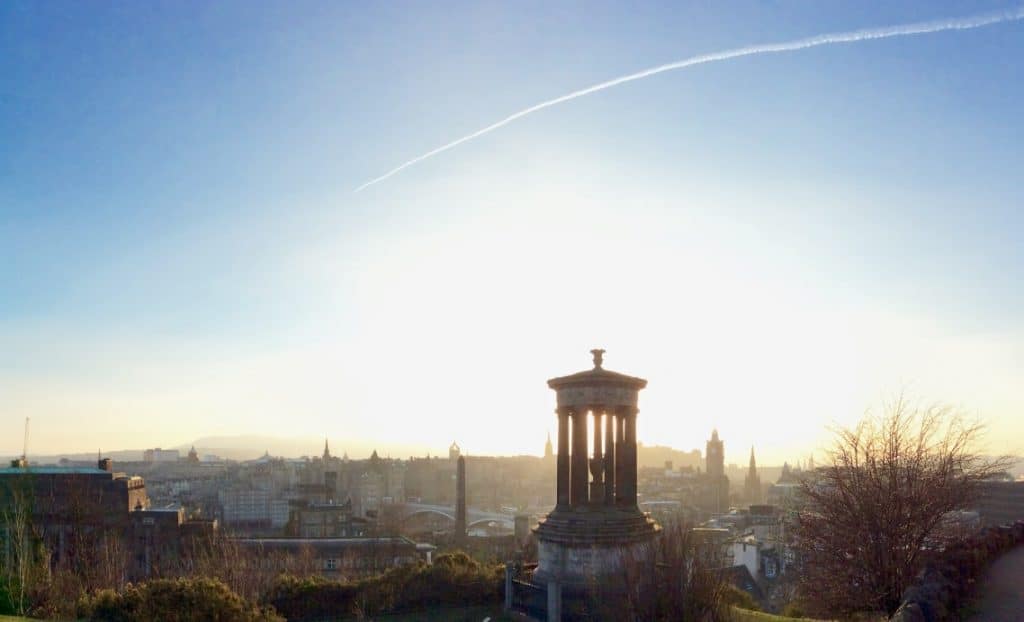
pixel 776 243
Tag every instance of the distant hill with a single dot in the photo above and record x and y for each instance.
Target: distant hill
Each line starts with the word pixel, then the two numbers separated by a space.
pixel 125 455
pixel 240 447
pixel 249 446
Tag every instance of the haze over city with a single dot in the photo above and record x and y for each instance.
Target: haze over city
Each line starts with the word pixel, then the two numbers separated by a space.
pixel 775 242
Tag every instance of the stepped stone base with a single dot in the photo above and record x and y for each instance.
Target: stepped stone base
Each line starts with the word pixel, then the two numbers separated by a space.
pixel 578 545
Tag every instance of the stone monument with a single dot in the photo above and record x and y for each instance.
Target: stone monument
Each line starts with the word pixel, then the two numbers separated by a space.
pixel 596 523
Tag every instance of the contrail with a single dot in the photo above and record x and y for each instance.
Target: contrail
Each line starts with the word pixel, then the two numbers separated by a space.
pixel 916 28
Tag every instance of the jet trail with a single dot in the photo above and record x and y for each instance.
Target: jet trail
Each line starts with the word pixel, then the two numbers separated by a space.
pixel 916 28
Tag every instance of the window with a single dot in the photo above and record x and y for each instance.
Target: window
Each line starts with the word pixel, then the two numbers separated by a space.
pixel 331 564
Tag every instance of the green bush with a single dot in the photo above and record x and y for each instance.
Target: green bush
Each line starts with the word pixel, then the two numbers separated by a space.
pixel 313 598
pixel 736 597
pixel 173 600
pixel 794 609
pixel 7 599
pixel 454 579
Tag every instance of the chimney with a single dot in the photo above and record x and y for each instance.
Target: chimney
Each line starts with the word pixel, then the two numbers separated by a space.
pixel 105 464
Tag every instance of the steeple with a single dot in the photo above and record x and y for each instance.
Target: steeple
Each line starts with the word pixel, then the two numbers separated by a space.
pixel 752 483
pixel 548 451
pixel 327 451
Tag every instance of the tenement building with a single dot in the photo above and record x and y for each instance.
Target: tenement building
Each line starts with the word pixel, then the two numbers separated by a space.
pixel 596 525
pixel 80 512
pixel 64 502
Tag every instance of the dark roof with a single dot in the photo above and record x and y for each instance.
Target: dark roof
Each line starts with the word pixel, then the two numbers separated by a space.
pixel 328 543
pixel 598 375
pixel 739 576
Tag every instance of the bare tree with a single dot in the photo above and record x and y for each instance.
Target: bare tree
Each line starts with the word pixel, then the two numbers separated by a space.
pixel 675 578
pixel 875 512
pixel 17 542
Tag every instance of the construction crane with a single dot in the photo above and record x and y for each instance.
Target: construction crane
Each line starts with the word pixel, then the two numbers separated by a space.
pixel 24 445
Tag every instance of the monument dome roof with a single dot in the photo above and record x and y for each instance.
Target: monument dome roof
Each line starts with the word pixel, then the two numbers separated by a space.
pixel 598 376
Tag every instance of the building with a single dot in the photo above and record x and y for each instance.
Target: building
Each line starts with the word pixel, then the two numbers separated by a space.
pixel 163 540
pixel 1001 502
pixel 84 513
pixel 161 455
pixel 752 483
pixel 714 456
pixel 381 483
pixel 250 507
pixel 67 503
pixel 746 551
pixel 325 520
pixel 715 495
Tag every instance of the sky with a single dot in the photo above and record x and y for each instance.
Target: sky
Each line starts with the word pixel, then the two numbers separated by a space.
pixel 777 243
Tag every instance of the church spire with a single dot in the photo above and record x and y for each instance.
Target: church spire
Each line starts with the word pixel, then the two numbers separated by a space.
pixel 752 484
pixel 327 451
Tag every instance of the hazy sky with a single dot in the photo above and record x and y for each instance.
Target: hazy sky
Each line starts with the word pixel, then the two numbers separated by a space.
pixel 775 242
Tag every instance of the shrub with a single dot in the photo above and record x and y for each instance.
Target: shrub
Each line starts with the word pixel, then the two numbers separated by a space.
pixel 454 579
pixel 736 597
pixel 173 600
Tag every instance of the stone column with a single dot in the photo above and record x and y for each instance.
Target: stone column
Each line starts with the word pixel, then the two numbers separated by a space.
pixel 609 457
pixel 508 586
pixel 597 462
pixel 620 457
pixel 554 609
pixel 579 475
pixel 563 458
pixel 631 453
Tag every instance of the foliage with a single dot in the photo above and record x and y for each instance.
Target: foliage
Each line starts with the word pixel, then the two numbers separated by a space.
pixel 872 516
pixel 794 609
pixel 8 598
pixel 173 600
pixel 454 579
pixel 736 597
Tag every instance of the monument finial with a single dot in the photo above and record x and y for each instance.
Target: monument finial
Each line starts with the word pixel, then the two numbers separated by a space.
pixel 598 357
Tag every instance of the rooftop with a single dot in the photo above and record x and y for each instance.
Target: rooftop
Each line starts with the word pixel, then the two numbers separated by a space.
pixel 54 470
pixel 597 376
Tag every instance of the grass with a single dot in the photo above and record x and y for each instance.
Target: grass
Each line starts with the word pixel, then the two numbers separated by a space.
pixel 14 619
pixel 746 615
pixel 458 614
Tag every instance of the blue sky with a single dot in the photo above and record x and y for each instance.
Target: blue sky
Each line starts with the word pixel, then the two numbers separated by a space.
pixel 181 252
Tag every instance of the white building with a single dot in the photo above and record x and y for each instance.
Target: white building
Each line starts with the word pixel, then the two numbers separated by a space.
pixel 747 551
pixel 253 507
pixel 161 455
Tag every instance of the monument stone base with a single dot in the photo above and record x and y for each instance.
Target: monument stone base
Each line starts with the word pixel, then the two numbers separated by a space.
pixel 576 546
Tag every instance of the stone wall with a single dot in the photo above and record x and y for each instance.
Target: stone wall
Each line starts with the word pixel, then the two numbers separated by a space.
pixel 946 581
